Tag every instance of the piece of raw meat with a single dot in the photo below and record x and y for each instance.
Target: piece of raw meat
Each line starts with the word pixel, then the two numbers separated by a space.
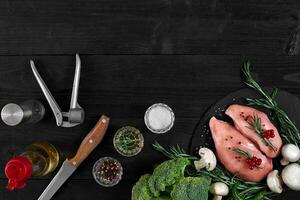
pixel 227 140
pixel 243 115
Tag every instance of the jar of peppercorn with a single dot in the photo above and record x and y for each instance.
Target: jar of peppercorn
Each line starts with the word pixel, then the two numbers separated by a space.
pixel 107 171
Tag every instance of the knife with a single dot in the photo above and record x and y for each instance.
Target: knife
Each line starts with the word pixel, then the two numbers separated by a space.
pixel 88 144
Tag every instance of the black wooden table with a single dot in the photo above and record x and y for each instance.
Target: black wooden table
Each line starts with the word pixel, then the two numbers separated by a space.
pixel 134 53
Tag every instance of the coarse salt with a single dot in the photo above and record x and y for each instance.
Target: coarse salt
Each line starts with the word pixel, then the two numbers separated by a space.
pixel 159 118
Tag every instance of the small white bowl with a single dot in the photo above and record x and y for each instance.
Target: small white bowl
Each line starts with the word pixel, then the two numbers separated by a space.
pixel 165 127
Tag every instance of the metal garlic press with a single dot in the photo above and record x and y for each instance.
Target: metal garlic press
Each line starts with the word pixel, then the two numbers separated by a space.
pixel 75 115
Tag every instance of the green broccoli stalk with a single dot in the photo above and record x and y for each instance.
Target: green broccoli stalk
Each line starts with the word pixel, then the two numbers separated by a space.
pixel 167 174
pixel 191 188
pixel 163 197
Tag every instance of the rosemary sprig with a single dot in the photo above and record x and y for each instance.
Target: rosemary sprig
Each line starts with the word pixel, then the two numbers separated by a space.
pixel 288 130
pixel 242 152
pixel 126 142
pixel 174 152
pixel 255 125
pixel 219 174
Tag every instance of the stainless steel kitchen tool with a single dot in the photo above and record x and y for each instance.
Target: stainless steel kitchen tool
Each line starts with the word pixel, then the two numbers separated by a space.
pixel 88 144
pixel 75 115
pixel 30 111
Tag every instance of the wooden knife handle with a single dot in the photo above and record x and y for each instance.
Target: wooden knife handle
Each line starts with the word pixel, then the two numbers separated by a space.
pixel 91 141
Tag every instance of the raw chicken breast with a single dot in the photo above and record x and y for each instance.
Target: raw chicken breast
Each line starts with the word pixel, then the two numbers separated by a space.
pixel 227 139
pixel 242 115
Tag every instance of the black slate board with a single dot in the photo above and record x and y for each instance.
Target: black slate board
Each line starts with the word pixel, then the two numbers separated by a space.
pixel 202 136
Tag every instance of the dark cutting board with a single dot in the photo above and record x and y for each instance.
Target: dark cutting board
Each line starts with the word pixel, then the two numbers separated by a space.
pixel 202 137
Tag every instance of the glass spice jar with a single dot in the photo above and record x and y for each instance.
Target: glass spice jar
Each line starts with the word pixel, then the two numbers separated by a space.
pixel 128 141
pixel 107 171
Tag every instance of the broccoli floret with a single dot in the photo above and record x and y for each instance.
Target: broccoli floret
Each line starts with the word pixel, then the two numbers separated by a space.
pixel 167 174
pixel 191 188
pixel 140 190
pixel 162 198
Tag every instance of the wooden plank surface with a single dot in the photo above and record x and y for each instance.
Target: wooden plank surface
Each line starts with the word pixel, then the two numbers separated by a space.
pixel 149 27
pixel 123 86
pixel 135 53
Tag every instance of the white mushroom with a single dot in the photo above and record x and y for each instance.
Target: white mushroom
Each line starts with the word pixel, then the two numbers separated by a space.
pixel 208 160
pixel 291 176
pixel 219 190
pixel 274 182
pixel 290 153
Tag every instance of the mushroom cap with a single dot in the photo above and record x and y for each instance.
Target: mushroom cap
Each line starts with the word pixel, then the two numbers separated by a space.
pixel 208 159
pixel 219 188
pixel 274 182
pixel 290 152
pixel 291 176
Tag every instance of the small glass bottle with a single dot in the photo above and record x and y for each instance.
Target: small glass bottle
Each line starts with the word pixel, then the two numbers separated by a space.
pixel 39 159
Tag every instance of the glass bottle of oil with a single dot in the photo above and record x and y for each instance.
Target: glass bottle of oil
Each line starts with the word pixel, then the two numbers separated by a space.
pixel 39 159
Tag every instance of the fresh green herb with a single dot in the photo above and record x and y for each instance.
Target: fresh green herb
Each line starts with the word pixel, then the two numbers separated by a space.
pixel 287 127
pixel 242 152
pixel 255 125
pixel 260 195
pixel 128 141
pixel 235 194
pixel 175 152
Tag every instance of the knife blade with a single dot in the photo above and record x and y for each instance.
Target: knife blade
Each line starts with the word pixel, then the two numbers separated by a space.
pixel 68 167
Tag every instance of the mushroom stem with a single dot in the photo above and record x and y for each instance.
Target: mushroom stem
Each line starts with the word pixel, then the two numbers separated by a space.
pixel 208 160
pixel 218 189
pixel 217 197
pixel 200 164
pixel 284 162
